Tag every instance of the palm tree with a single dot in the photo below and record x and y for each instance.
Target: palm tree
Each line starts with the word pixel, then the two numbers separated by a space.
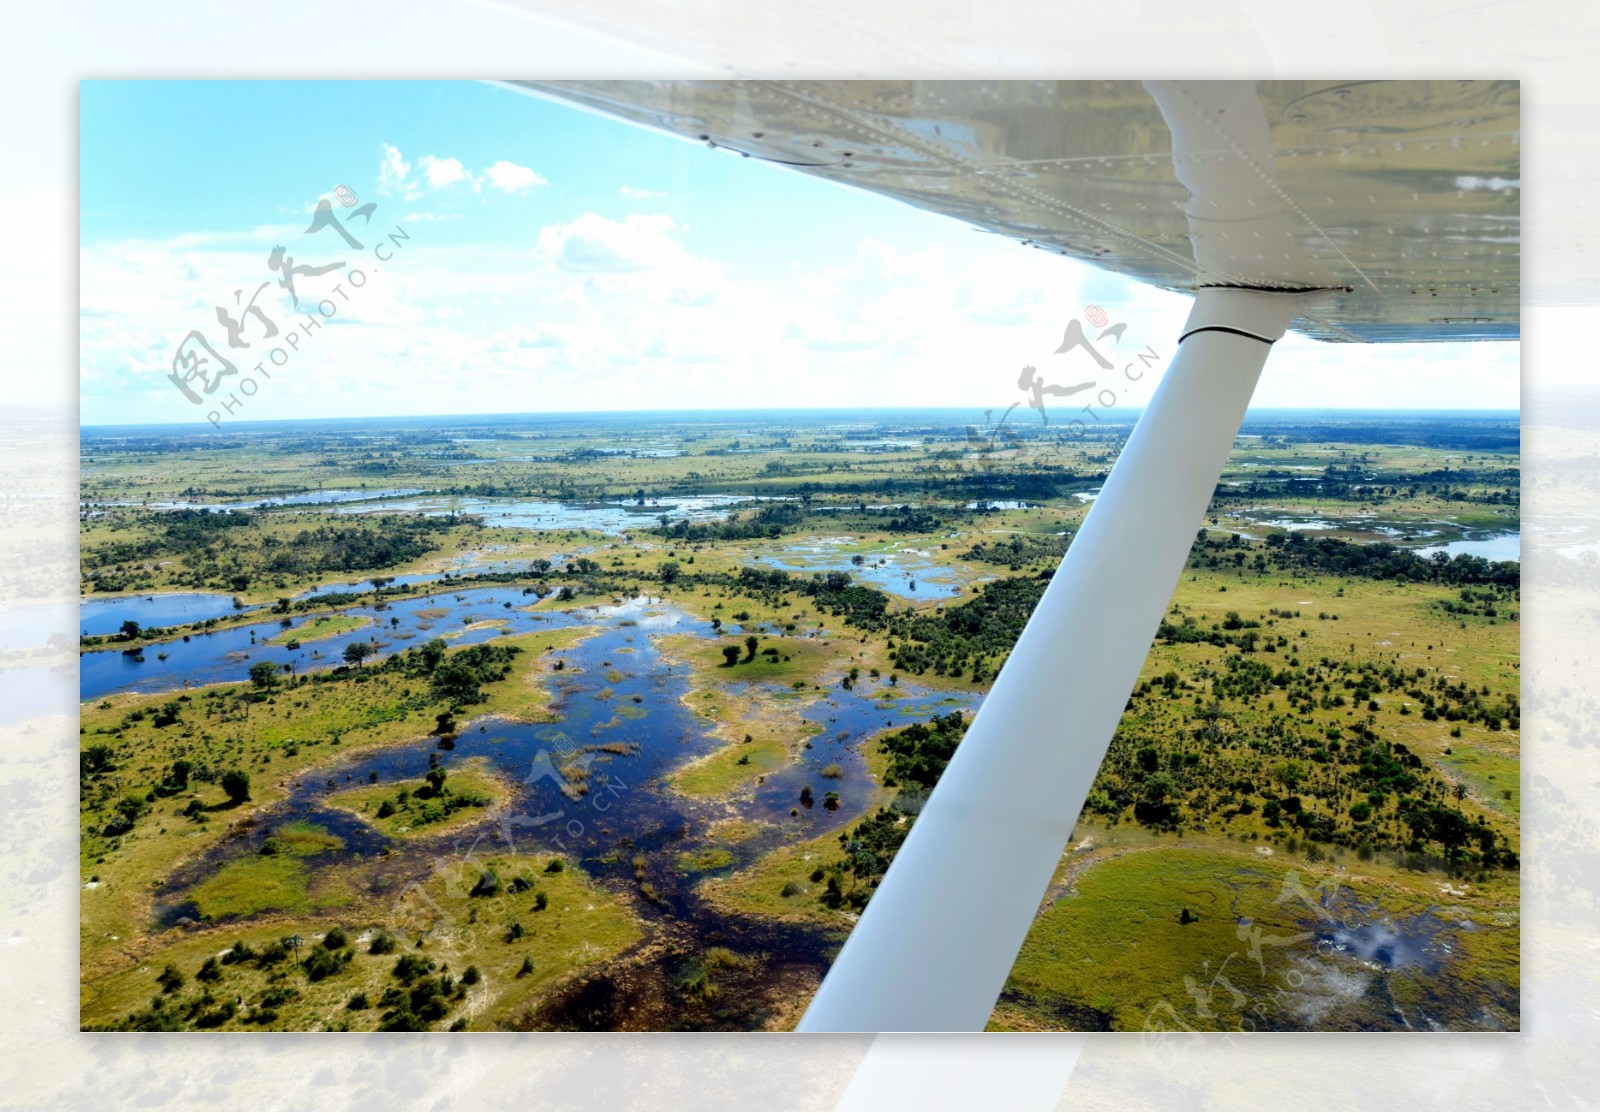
pixel 294 942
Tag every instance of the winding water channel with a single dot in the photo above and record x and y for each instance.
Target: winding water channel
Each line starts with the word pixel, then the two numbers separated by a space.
pixel 616 689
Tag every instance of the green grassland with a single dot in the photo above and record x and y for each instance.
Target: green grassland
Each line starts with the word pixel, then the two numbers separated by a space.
pixel 1201 853
pixel 479 960
pixel 1272 681
pixel 275 736
pixel 414 809
pixel 785 884
pixel 779 885
pixel 761 732
pixel 280 881
pixel 320 628
pixel 1190 933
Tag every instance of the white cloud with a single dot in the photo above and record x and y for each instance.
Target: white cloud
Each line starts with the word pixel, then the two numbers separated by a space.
pixel 436 172
pixel 441 172
pixel 508 177
pixel 393 171
pixel 522 336
pixel 640 194
pixel 1008 289
pixel 593 244
pixel 620 313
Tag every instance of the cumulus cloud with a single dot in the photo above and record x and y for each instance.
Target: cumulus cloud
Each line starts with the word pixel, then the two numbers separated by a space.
pixel 431 173
pixel 594 244
pixel 393 171
pixel 441 172
pixel 508 177
pixel 614 312
pixel 640 194
pixel 523 336
pixel 1007 289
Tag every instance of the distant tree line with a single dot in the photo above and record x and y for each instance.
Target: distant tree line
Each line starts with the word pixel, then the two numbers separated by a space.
pixel 1295 552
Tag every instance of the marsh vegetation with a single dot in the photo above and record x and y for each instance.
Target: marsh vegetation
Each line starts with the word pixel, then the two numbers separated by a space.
pixel 542 736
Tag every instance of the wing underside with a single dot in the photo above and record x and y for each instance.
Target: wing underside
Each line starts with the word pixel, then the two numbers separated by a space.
pixel 1402 196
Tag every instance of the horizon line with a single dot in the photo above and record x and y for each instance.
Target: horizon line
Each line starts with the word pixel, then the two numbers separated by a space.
pixel 778 410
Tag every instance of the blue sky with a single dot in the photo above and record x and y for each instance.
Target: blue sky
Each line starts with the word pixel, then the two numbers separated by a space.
pixel 548 259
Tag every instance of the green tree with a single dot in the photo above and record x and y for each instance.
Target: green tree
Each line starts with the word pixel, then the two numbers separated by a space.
pixel 170 979
pixel 128 810
pixel 356 652
pixel 382 944
pixel 236 783
pixel 751 644
pixel 730 656
pixel 264 674
pixel 432 653
pixel 94 760
pixel 457 682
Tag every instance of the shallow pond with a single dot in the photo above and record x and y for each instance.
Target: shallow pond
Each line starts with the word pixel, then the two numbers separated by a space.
pixel 603 517
pixel 471 563
pixel 1490 546
pixel 907 572
pixel 220 656
pixel 105 614
pixel 987 505
pixel 303 498
pixel 593 786
pixel 343 587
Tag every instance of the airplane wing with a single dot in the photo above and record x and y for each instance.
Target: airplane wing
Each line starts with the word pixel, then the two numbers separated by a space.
pixel 1405 195
pixel 1356 212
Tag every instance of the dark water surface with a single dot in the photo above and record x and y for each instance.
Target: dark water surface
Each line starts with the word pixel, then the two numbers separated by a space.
pixel 617 690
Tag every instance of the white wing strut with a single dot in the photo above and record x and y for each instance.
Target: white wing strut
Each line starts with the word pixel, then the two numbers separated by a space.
pixel 933 948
